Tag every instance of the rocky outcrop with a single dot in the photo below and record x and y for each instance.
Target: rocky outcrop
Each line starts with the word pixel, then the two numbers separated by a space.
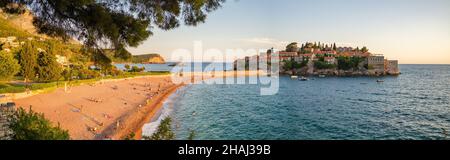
pixel 148 59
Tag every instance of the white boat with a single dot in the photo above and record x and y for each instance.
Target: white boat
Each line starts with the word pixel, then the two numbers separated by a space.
pixel 322 76
pixel 303 79
pixel 294 77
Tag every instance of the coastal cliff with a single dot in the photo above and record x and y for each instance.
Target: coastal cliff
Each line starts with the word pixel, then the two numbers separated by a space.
pixel 148 59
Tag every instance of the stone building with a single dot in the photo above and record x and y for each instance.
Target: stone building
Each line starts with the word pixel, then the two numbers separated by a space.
pixel 376 64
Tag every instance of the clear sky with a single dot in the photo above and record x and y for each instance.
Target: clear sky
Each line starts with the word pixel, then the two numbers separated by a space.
pixel 412 31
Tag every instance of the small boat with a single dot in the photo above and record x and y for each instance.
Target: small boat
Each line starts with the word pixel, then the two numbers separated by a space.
pixel 175 64
pixel 322 76
pixel 380 81
pixel 303 79
pixel 294 77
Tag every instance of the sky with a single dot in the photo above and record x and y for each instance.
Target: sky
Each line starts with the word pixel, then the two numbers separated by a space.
pixel 411 31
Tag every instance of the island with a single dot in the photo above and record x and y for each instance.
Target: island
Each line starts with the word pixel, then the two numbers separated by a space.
pixel 319 59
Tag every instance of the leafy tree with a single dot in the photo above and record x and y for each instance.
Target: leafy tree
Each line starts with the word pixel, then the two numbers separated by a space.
pixel 364 49
pixel 293 47
pixel 34 126
pixel 116 24
pixel 323 65
pixel 127 67
pixel 27 60
pixel 137 69
pixel 347 63
pixel 8 66
pixel 48 69
pixel 291 64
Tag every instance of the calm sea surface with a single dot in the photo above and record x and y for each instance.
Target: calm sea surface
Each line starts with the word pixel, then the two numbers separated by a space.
pixel 415 105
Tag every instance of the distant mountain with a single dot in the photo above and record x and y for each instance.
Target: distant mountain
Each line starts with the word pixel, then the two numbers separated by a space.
pixel 148 59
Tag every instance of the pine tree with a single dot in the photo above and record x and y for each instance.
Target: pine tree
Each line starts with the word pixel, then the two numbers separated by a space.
pixel 27 61
pixel 48 69
pixel 334 47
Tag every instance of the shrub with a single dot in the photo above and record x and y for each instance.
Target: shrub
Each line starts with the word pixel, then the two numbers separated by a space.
pixel 137 69
pixel 34 126
pixel 115 71
pixel 164 131
pixel 8 66
pixel 127 67
pixel 88 74
pixel 291 64
pixel 191 135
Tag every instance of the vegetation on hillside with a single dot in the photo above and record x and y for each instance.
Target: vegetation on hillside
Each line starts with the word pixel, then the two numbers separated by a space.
pixel 27 57
pixel 348 63
pixel 117 24
pixel 292 64
pixel 8 66
pixel 7 29
pixel 321 64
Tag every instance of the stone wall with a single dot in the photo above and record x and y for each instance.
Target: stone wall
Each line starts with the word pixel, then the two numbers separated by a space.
pixel 5 111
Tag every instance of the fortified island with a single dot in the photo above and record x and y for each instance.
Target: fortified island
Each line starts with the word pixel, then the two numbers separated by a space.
pixel 318 59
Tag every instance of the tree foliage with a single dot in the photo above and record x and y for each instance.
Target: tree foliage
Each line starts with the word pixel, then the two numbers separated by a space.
pixel 291 64
pixel 8 66
pixel 34 126
pixel 293 47
pixel 115 24
pixel 164 131
pixel 347 63
pixel 28 61
pixel 364 50
pixel 323 65
pixel 48 69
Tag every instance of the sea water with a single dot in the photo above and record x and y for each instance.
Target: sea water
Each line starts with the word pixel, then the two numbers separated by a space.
pixel 414 105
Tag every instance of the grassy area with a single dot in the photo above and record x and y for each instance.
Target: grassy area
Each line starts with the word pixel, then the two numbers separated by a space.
pixel 20 88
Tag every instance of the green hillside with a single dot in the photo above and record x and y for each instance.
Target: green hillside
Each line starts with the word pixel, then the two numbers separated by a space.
pixel 7 29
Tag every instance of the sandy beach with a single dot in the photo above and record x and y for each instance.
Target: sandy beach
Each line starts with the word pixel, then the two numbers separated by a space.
pixel 105 110
pixel 111 109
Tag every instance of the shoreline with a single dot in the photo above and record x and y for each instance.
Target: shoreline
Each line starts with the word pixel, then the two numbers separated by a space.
pixel 199 76
pixel 151 110
pixel 92 111
pixel 114 108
